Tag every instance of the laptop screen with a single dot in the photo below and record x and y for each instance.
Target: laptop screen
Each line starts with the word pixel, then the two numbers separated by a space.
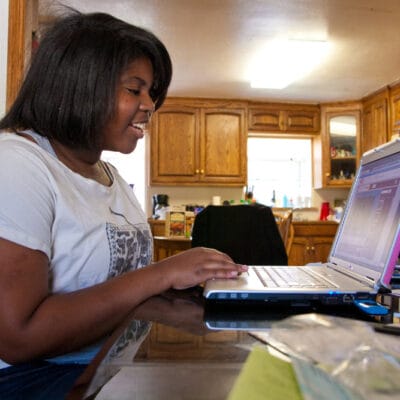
pixel 371 221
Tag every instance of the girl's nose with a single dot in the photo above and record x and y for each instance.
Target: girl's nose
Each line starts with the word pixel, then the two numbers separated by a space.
pixel 147 105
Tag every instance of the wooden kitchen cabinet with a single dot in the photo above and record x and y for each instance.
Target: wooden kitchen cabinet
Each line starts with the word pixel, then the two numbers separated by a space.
pixel 164 246
pixel 168 246
pixel 312 241
pixel 157 226
pixel 199 143
pixel 337 150
pixel 276 117
pixel 394 109
pixel 375 121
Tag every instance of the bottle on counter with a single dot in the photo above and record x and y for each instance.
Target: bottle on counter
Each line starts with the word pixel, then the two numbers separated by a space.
pixel 273 200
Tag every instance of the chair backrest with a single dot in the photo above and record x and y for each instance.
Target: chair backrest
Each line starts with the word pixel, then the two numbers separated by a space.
pixel 284 222
pixel 247 233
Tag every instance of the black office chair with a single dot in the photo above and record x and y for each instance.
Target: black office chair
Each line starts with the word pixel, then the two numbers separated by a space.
pixel 247 233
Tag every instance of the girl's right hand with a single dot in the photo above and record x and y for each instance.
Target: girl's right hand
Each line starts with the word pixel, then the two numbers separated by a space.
pixel 197 265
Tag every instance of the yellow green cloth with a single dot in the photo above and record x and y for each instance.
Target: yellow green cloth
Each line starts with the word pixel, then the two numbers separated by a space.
pixel 265 376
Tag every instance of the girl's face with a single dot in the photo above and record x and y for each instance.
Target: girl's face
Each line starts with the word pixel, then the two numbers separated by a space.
pixel 133 108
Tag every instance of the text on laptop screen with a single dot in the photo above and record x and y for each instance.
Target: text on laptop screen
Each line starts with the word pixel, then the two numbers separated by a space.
pixel 372 218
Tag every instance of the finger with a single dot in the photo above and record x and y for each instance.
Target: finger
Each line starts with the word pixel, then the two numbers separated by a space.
pixel 226 265
pixel 227 273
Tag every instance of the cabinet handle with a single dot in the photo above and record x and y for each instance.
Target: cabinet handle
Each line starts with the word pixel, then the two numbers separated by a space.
pixel 202 171
pixel 310 249
pixel 197 171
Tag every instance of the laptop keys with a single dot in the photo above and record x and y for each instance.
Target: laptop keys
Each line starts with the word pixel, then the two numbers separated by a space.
pixel 290 277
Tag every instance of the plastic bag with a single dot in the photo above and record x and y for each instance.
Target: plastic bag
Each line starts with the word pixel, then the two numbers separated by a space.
pixel 350 351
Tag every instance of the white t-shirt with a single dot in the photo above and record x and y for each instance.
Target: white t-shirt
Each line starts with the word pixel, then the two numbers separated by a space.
pixel 89 232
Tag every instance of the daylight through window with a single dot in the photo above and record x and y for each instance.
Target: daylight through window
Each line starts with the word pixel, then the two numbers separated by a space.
pixel 131 167
pixel 279 171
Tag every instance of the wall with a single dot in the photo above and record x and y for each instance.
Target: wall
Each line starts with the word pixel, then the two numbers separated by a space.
pixel 3 54
pixel 180 195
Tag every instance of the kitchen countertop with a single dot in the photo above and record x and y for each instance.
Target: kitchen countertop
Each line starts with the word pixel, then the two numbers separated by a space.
pixel 173 238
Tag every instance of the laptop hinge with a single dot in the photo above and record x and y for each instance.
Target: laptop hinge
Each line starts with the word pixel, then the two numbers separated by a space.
pixel 363 279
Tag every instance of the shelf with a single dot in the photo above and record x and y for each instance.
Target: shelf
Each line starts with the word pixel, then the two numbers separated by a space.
pixel 343 158
pixel 340 183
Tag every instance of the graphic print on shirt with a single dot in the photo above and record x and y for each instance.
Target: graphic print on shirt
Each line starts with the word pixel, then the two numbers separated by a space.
pixel 130 248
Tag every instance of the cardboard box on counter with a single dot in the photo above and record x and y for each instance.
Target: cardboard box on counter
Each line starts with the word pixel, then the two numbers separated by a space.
pixel 189 221
pixel 178 222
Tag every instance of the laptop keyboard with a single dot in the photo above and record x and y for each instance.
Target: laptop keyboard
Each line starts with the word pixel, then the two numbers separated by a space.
pixel 291 277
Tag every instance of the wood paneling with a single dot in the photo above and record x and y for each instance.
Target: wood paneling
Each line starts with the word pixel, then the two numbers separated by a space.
pixel 16 48
pixel 22 21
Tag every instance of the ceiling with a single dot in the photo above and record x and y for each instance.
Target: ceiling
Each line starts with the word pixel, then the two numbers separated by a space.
pixel 211 42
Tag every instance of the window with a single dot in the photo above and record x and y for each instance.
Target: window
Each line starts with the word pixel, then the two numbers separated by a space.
pixel 280 171
pixel 131 167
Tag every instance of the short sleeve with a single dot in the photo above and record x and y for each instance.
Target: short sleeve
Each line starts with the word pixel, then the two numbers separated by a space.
pixel 26 196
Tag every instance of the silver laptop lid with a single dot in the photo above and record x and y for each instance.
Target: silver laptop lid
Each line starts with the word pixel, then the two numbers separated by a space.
pixel 367 241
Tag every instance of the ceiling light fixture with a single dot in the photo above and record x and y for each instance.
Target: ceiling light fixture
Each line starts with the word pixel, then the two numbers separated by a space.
pixel 282 62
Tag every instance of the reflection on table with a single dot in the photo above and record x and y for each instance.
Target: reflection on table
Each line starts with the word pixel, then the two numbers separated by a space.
pixel 175 347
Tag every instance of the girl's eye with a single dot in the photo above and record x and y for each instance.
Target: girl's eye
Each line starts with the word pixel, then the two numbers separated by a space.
pixel 135 92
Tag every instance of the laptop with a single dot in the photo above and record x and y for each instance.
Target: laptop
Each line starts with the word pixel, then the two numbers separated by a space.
pixel 363 254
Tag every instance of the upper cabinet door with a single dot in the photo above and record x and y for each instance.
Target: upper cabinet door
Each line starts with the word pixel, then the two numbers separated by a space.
pixel 223 146
pixel 337 150
pixel 395 110
pixel 174 145
pixel 343 131
pixel 200 144
pixel 374 123
pixel 284 118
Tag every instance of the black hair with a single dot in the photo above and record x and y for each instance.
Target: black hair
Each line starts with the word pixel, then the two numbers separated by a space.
pixel 69 90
